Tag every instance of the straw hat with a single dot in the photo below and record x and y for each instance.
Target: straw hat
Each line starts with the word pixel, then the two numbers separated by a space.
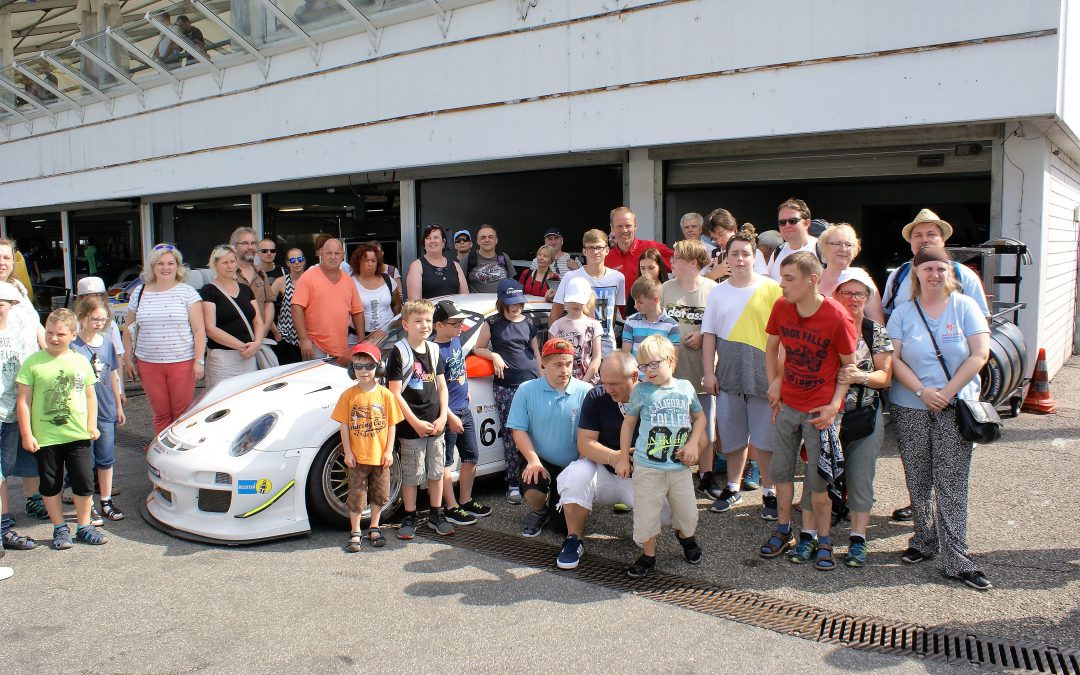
pixel 928 216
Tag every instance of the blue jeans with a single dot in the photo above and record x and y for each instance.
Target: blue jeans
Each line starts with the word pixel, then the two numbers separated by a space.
pixel 14 460
pixel 465 442
pixel 105 446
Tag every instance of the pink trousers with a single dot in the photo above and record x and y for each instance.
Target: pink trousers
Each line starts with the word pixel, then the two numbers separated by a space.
pixel 170 388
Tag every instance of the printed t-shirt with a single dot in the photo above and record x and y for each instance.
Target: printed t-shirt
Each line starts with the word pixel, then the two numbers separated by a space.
pixel 610 291
pixel 457 382
pixel 369 416
pixel 637 327
pixel 485 274
pixel 664 422
pixel 58 408
pixel 812 349
pixel 419 387
pixel 688 309
pixel 550 417
pixel 961 319
pixel 580 333
pixel 14 347
pixel 328 309
pixel 512 340
pixel 103 360
pixel 737 317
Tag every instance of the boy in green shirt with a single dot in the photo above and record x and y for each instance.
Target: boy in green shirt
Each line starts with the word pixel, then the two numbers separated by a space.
pixel 57 411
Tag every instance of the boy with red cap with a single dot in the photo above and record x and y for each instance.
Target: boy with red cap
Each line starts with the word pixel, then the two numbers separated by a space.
pixel 367 413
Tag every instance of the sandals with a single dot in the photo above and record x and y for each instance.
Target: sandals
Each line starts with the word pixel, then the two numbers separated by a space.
pixel 824 560
pixel 376 538
pixel 691 550
pixel 17 542
pixel 110 511
pixel 90 535
pixel 641 567
pixel 355 542
pixel 777 543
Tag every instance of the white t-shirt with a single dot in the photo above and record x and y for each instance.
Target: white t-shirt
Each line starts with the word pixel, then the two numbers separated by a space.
pixel 15 345
pixel 778 257
pixel 378 304
pixel 610 290
pixel 761 266
pixel 164 333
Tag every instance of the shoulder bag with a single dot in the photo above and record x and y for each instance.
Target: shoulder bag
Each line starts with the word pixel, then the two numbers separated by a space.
pixel 978 420
pixel 265 357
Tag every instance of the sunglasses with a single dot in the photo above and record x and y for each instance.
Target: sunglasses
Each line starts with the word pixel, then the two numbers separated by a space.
pixel 267 250
pixel 367 365
pixel 164 247
pixel 298 259
pixel 788 221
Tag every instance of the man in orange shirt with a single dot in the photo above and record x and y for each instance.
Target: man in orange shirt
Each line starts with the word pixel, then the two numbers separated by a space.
pixel 323 302
pixel 626 253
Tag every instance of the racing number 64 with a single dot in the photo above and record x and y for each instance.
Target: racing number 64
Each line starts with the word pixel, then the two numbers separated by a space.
pixel 487 432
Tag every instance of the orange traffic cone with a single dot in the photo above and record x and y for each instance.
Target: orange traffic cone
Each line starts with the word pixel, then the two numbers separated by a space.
pixel 1039 400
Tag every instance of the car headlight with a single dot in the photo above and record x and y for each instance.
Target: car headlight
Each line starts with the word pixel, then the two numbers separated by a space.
pixel 253 434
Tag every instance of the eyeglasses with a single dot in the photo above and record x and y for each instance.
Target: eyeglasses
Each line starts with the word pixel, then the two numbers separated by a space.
pixel 267 250
pixel 595 249
pixel 247 243
pixel 164 247
pixel 454 323
pixel 103 319
pixel 847 295
pixel 367 365
pixel 788 221
pixel 651 365
pixel 841 244
pixel 298 259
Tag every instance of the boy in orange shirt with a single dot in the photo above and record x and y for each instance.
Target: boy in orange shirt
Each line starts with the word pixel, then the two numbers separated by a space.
pixel 367 413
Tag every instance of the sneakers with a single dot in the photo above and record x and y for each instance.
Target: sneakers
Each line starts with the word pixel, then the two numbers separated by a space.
pixel 751 477
pixel 459 516
pixel 408 527
pixel 913 556
pixel 727 499
pixel 95 517
pixel 805 550
pixel 110 511
pixel 619 507
pixel 856 554
pixel 477 509
pixel 61 538
pixel 438 522
pixel 903 514
pixel 35 508
pixel 769 510
pixel 570 555
pixel 513 495
pixel 91 535
pixel 708 486
pixel 534 523
pixel 975 579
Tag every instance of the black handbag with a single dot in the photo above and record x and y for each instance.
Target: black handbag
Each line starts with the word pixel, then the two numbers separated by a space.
pixel 979 422
pixel 858 423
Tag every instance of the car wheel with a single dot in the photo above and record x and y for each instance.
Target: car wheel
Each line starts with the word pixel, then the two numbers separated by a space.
pixel 328 486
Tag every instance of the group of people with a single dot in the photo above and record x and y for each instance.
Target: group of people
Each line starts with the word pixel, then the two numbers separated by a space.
pixel 61 399
pixel 742 362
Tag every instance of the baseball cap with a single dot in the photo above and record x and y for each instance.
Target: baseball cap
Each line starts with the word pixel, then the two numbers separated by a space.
pixel 817 226
pixel 446 310
pixel 369 349
pixel 577 290
pixel 557 345
pixel 464 233
pixel 553 232
pixel 511 292
pixel 89 285
pixel 9 292
pixel 771 238
pixel 856 274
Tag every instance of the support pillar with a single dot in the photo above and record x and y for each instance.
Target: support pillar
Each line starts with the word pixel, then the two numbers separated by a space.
pixel 642 192
pixel 67 251
pixel 410 234
pixel 257 222
pixel 146 228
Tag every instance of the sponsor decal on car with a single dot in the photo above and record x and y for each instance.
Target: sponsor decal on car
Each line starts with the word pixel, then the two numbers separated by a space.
pixel 254 487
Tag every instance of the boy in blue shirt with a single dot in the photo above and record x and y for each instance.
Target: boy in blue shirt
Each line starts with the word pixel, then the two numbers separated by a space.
pixel 460 428
pixel 649 319
pixel 668 440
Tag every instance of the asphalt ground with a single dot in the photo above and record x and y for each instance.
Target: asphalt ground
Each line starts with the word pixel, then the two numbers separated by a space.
pixel 147 602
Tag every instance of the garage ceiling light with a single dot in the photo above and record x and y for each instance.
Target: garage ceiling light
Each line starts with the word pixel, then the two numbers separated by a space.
pixel 290 209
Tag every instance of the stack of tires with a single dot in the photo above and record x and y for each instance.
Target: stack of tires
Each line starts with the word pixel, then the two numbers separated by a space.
pixel 1007 367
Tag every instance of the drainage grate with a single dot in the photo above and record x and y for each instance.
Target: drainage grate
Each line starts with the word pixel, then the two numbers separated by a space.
pixel 781 616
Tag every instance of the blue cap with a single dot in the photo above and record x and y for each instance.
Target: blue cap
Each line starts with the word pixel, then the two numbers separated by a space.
pixel 511 292
pixel 462 232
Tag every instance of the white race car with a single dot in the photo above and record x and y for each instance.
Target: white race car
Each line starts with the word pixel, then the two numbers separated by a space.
pixel 257 456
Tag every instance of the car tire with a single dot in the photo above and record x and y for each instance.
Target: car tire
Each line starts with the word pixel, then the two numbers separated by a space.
pixel 328 486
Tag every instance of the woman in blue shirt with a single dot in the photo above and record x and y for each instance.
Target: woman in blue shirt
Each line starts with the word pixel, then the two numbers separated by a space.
pixel 936 458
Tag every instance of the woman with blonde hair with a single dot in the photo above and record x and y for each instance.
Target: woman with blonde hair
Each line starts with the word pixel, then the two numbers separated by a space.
pixel 535 279
pixel 165 335
pixel 231 318
pixel 839 246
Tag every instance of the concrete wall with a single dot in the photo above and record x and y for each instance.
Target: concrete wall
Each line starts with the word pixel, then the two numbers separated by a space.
pixel 572 77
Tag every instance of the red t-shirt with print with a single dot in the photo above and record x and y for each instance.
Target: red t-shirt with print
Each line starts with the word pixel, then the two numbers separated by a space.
pixel 812 349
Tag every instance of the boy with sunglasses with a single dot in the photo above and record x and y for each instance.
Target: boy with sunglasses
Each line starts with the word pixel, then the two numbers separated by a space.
pixel 367 413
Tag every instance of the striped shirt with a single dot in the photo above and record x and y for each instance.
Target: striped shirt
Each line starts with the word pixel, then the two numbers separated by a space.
pixel 637 328
pixel 164 334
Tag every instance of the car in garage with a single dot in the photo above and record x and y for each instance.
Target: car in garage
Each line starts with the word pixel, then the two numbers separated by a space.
pixel 257 457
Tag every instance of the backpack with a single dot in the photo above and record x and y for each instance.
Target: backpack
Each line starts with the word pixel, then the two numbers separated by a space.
pixel 404 350
pixel 901 274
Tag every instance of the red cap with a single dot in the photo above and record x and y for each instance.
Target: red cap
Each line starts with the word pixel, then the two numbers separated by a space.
pixel 557 345
pixel 369 349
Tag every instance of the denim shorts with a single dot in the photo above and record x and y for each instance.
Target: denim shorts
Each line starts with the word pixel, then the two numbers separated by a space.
pixel 14 461
pixel 465 442
pixel 105 446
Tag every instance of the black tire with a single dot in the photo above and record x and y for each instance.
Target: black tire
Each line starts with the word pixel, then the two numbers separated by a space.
pixel 327 486
pixel 996 376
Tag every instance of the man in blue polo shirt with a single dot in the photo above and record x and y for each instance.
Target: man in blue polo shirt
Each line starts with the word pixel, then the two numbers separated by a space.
pixel 543 418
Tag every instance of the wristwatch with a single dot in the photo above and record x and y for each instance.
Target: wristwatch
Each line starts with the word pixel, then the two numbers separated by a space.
pixel 919 393
pixel 201 362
